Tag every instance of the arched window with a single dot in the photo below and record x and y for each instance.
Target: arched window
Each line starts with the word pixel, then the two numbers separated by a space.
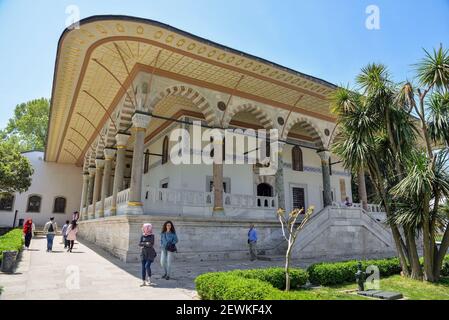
pixel 264 190
pixel 6 201
pixel 146 161
pixel 297 162
pixel 165 150
pixel 34 204
pixel 59 206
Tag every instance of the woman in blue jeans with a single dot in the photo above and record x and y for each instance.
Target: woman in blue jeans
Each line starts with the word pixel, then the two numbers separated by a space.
pixel 168 247
pixel 148 253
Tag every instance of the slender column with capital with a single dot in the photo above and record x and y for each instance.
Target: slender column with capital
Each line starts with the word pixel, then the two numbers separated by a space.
pixel 84 191
pixel 90 192
pixel 327 193
pixel 140 124
pixel 122 140
pixel 217 169
pixel 279 179
pixel 108 156
pixel 362 189
pixel 97 186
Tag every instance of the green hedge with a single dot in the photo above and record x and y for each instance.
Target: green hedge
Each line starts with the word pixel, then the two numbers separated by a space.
pixel 340 272
pixel 256 284
pixel 13 240
pixel 226 286
pixel 275 276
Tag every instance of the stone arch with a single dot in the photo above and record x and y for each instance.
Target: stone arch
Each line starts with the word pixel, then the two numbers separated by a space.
pixel 258 179
pixel 261 115
pixel 191 94
pixel 311 127
pixel 125 114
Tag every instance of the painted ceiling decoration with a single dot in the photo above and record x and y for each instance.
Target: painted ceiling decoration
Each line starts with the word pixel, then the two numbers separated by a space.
pixel 97 63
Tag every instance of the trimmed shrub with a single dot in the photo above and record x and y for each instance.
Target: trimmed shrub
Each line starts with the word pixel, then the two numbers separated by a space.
pixel 226 286
pixel 275 276
pixel 341 272
pixel 13 240
pixel 255 284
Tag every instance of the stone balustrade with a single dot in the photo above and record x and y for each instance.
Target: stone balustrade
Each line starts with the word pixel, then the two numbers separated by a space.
pixel 171 201
pixel 123 197
pixel 372 208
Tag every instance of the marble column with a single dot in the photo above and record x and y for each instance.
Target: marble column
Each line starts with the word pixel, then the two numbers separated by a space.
pixel 108 157
pixel 217 172
pixel 97 186
pixel 122 140
pixel 362 189
pixel 140 124
pixel 84 192
pixel 90 191
pixel 327 193
pixel 279 179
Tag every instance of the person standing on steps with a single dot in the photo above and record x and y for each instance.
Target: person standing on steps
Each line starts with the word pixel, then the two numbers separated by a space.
pixel 252 242
pixel 50 229
pixel 147 253
pixel 72 230
pixel 75 216
pixel 28 232
pixel 169 239
pixel 64 234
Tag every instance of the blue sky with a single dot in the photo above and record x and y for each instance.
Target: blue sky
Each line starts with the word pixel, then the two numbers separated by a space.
pixel 324 38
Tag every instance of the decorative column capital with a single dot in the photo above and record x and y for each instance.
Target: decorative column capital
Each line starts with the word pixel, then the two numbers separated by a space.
pixel 122 140
pixel 324 155
pixel 85 176
pixel 92 171
pixel 140 121
pixel 99 163
pixel 109 153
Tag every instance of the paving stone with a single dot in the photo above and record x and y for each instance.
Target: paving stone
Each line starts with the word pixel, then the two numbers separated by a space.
pixel 42 275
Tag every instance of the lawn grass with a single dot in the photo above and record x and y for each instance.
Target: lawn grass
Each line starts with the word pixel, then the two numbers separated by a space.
pixel 13 240
pixel 411 289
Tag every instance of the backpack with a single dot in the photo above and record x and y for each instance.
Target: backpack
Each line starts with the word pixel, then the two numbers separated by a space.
pixel 50 228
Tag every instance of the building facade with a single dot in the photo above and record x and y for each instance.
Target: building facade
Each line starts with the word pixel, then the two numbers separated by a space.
pixel 122 86
pixel 54 192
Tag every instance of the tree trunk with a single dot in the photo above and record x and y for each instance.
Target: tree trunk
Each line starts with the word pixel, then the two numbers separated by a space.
pixel 428 251
pixel 287 267
pixel 375 173
pixel 444 246
pixel 416 272
pixel 362 189
pixel 398 242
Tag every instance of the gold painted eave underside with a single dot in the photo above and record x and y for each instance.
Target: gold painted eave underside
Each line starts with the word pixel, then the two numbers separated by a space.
pixel 93 60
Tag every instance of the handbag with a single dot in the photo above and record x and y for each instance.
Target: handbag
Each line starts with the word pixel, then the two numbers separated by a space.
pixel 171 247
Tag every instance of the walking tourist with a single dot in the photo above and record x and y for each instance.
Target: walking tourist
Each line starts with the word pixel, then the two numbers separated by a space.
pixel 252 242
pixel 148 253
pixel 168 247
pixel 28 231
pixel 72 230
pixel 50 229
pixel 75 216
pixel 347 202
pixel 64 234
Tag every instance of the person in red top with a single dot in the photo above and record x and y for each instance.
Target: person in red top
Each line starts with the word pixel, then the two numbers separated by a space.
pixel 28 230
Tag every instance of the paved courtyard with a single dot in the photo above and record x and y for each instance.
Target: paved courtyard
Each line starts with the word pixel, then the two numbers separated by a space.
pixel 42 275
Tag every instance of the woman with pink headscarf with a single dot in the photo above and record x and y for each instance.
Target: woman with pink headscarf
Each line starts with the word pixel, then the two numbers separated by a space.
pixel 148 253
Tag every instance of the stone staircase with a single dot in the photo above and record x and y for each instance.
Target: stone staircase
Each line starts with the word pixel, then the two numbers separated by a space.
pixel 343 233
pixel 39 232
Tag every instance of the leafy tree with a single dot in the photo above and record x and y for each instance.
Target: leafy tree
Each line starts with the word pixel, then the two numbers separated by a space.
pixel 15 169
pixel 28 126
pixel 393 130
